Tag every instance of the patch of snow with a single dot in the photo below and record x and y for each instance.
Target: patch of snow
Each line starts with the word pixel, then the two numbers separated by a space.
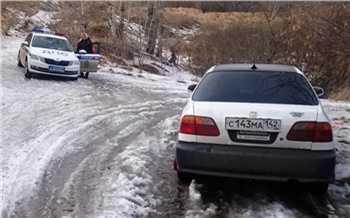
pixel 200 213
pixel 262 208
pixel 128 192
pixel 41 19
pixel 53 136
pixel 342 172
pixel 194 195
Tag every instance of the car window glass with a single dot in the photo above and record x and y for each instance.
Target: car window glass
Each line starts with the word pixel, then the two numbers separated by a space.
pixel 256 87
pixel 51 43
pixel 28 38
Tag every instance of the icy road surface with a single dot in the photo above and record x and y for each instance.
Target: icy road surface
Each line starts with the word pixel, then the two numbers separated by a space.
pixel 104 147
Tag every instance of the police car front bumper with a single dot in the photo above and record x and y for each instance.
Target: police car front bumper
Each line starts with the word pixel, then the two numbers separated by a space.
pixel 38 67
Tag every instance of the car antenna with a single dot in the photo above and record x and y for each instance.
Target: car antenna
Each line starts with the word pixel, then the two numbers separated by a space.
pixel 254 67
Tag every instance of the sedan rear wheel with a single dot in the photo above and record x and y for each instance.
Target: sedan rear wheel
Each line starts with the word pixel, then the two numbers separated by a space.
pixel 27 73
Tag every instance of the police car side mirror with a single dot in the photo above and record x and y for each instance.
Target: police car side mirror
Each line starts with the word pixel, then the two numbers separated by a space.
pixel 191 88
pixel 25 43
pixel 82 51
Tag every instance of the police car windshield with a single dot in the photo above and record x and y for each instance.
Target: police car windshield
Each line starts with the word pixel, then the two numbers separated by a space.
pixel 51 43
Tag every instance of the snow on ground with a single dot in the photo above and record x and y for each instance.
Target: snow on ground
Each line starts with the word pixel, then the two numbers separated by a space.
pixel 41 19
pixel 53 131
pixel 194 202
pixel 92 148
pixel 185 33
pixel 339 113
pixel 128 192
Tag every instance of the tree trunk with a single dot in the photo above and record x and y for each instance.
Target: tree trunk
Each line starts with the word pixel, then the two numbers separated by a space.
pixel 153 20
pixel 160 36
pixel 121 21
pixel 112 19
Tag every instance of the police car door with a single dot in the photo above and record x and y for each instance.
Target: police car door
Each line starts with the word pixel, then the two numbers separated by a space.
pixel 24 50
pixel 88 62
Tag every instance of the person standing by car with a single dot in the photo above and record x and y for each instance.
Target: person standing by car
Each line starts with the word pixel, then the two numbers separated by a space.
pixel 85 43
pixel 173 58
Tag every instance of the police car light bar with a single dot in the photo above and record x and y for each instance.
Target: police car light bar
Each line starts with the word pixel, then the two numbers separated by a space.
pixel 47 31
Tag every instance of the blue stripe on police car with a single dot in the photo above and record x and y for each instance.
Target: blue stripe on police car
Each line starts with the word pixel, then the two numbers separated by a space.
pixel 88 57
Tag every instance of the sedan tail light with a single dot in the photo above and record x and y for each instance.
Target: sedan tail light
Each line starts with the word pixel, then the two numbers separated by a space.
pixel 311 131
pixel 196 125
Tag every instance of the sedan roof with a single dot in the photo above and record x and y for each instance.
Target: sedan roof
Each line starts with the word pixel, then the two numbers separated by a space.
pixel 259 67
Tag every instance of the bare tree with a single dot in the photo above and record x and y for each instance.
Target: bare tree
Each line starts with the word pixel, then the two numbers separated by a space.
pixel 121 19
pixel 152 26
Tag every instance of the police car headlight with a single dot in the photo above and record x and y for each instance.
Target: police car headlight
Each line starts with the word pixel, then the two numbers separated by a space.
pixel 74 63
pixel 34 57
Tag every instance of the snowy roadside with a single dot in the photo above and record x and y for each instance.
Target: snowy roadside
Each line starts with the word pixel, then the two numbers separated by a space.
pixel 339 193
pixel 46 122
pixel 92 148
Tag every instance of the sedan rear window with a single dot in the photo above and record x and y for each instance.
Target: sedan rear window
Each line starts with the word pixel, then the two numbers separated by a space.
pixel 256 87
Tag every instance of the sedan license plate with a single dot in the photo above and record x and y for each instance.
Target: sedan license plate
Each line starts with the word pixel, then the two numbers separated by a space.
pixel 264 125
pixel 56 69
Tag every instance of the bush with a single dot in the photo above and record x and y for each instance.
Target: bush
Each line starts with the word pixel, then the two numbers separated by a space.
pixel 238 43
pixel 7 21
pixel 179 18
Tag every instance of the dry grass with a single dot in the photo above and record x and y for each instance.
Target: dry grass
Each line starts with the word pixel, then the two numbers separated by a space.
pixel 136 14
pixel 342 95
pixel 188 16
pixel 180 17
pixel 7 21
pixel 29 8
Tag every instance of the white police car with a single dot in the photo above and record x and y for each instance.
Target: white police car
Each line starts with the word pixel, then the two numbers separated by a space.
pixel 49 53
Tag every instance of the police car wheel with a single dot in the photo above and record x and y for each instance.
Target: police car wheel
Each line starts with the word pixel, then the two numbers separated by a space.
pixel 19 62
pixel 27 74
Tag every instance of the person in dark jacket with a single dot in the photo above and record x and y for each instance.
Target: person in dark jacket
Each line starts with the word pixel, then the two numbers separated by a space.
pixel 85 43
pixel 173 58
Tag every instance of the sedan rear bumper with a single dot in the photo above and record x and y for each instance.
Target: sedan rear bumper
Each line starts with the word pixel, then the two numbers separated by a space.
pixel 256 163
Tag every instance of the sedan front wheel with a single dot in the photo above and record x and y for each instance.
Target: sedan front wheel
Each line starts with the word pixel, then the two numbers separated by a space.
pixel 19 61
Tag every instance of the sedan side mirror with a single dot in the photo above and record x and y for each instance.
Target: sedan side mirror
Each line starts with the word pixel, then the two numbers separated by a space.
pixel 191 88
pixel 25 43
pixel 319 91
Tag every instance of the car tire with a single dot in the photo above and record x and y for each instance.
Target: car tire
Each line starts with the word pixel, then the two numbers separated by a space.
pixel 86 76
pixel 27 73
pixel 319 188
pixel 19 62
pixel 184 178
pixel 74 78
